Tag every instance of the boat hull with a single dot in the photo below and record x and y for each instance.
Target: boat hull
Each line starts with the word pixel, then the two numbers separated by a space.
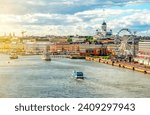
pixel 47 59
pixel 14 57
pixel 78 77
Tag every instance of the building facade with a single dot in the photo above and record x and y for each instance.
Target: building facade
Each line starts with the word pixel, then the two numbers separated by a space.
pixel 93 49
pixel 64 48
pixel 143 55
pixel 35 47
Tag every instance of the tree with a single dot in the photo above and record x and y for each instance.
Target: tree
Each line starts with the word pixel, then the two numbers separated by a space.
pixel 89 38
pixel 69 40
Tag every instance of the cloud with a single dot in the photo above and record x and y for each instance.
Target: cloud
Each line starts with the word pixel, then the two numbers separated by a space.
pixel 59 6
pixel 135 21
pixel 88 19
pixel 40 19
pixel 72 16
pixel 144 33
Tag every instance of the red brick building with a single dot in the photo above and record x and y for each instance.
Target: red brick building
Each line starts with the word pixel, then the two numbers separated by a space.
pixel 96 52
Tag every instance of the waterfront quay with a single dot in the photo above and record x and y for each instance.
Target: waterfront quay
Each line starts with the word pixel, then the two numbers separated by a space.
pixel 132 66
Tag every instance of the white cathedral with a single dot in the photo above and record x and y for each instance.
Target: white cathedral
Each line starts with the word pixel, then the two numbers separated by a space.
pixel 103 33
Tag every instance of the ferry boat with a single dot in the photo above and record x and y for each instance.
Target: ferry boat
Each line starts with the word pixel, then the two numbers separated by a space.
pixel 78 75
pixel 46 57
pixel 13 56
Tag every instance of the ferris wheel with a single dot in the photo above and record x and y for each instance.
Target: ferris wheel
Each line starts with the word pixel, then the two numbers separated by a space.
pixel 123 47
pixel 119 39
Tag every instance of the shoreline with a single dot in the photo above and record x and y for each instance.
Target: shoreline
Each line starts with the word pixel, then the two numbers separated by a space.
pixel 126 65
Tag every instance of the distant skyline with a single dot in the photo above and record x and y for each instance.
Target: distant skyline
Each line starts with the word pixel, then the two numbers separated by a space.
pixel 71 17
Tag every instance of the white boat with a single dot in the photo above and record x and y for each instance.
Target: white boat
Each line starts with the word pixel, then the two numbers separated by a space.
pixel 78 75
pixel 46 57
pixel 13 56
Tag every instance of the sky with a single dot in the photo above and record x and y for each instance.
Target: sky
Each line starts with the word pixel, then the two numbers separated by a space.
pixel 73 17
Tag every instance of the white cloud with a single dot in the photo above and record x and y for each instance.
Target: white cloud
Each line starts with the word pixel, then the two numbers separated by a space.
pixel 135 19
pixel 36 3
pixel 144 33
pixel 66 16
pixel 136 2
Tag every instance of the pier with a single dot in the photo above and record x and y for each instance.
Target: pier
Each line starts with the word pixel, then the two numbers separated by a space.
pixel 131 66
pixel 68 56
pixel 59 56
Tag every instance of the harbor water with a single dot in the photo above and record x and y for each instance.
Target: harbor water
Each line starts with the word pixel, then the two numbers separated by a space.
pixel 32 77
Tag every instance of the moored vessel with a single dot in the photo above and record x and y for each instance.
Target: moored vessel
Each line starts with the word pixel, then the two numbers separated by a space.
pixel 13 56
pixel 46 57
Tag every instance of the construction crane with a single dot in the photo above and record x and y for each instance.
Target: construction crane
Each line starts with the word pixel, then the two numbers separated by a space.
pixel 23 32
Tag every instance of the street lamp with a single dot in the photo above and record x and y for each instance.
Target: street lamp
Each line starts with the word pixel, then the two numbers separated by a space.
pixel 133 43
